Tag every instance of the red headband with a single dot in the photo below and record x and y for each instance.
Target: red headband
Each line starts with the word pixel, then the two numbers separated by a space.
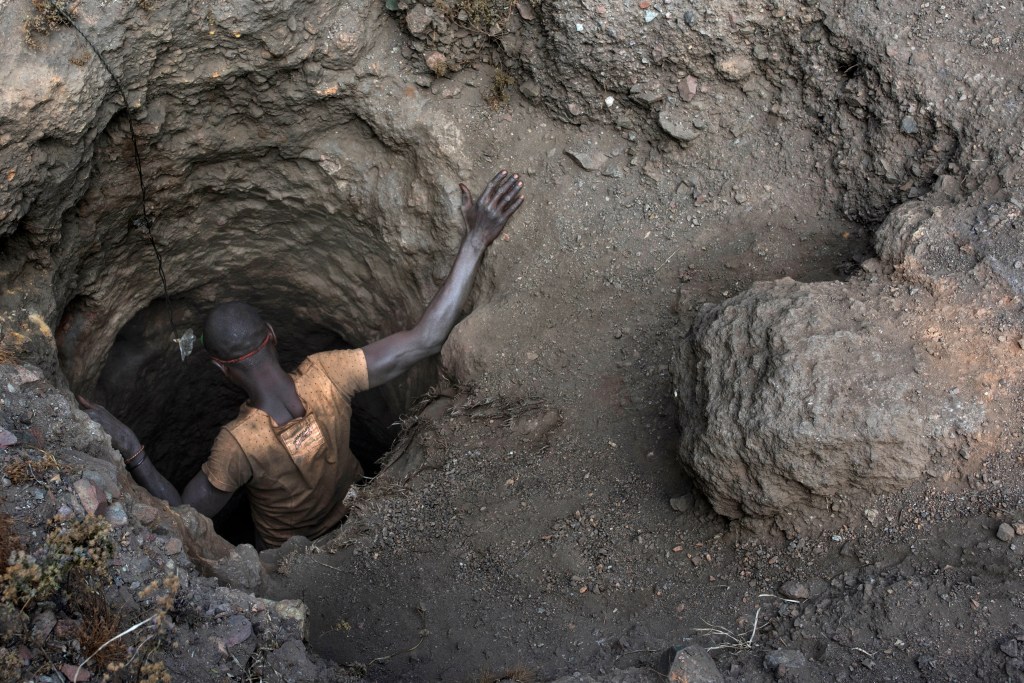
pixel 246 356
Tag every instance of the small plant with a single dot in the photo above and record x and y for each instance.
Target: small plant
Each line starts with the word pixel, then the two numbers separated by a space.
pixel 99 623
pixel 82 544
pixel 10 665
pixel 497 96
pixel 25 469
pixel 9 541
pixel 47 15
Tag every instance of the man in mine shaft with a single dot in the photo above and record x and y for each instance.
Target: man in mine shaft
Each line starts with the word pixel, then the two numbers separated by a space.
pixel 289 444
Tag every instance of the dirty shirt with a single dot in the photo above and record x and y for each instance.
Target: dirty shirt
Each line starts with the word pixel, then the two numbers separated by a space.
pixel 296 474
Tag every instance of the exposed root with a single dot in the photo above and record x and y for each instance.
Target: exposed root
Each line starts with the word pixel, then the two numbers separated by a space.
pixel 734 641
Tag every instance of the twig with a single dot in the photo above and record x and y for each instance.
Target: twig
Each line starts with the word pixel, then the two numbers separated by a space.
pixel 119 635
pixel 666 261
pixel 753 633
pixel 423 634
pixel 769 595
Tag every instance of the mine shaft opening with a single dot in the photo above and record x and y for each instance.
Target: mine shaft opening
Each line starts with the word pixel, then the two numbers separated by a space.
pixel 176 407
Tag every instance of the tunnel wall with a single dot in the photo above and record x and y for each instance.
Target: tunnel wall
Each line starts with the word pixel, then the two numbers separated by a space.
pixel 286 164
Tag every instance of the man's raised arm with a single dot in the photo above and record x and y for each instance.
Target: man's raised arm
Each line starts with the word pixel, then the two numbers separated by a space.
pixel 485 218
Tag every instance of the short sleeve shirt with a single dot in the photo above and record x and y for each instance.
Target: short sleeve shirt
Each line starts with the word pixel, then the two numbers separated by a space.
pixel 296 474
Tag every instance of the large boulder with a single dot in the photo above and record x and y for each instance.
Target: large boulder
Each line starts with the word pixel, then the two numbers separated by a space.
pixel 795 396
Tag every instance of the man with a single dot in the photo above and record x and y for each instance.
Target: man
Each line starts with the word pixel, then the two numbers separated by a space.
pixel 289 443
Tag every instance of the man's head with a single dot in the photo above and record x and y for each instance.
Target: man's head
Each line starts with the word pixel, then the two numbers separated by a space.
pixel 237 337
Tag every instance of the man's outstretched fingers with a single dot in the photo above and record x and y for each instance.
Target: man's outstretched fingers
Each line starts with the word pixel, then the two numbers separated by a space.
pixel 503 188
pixel 507 213
pixel 510 192
pixel 493 184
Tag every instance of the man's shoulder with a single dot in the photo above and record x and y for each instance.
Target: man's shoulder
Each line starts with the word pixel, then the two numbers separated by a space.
pixel 345 368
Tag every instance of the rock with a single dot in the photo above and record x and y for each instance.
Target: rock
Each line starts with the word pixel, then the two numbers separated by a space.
pixel 234 630
pixel 735 67
pixel 436 62
pixel 240 569
pixel 872 516
pixel 694 665
pixel 647 93
pixel 7 439
pixel 42 625
pixel 781 661
pixel 688 88
pixel 673 123
pixel 794 590
pixel 908 125
pixel 588 161
pixel 947 185
pixel 116 514
pixel 1005 533
pixel 144 514
pixel 295 611
pixel 775 382
pixel 1018 528
pixel 104 475
pixel 74 673
pixel 683 503
pixel 88 496
pixel 418 19
pixel 529 89
pixel 173 546
pixel 292 657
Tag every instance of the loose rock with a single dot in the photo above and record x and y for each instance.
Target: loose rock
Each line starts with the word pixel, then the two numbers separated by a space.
pixel 672 123
pixel 794 590
pixel 235 629
pixel 694 665
pixel 88 495
pixel 734 68
pixel 1005 533
pixel 588 161
pixel 781 661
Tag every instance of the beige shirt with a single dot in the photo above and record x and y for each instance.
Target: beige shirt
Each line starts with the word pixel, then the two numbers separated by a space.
pixel 296 474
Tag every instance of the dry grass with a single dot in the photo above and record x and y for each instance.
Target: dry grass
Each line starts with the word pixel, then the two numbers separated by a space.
pixel 99 623
pixel 25 470
pixel 9 541
pixel 497 96
pixel 46 17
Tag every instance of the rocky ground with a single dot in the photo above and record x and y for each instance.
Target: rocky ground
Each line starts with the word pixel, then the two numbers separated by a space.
pixel 737 400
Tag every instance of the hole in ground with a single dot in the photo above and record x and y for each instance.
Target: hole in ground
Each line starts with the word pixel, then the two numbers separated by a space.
pixel 177 408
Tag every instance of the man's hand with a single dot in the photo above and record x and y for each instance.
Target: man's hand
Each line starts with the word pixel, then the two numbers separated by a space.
pixel 121 436
pixel 487 216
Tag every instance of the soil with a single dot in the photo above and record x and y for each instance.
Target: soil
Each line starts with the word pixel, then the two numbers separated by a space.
pixel 556 549
pixel 534 521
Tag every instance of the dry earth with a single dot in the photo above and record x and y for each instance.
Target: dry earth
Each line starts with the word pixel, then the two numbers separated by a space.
pixel 813 478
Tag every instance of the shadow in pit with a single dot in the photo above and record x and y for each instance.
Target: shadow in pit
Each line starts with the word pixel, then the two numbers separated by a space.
pixel 177 407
